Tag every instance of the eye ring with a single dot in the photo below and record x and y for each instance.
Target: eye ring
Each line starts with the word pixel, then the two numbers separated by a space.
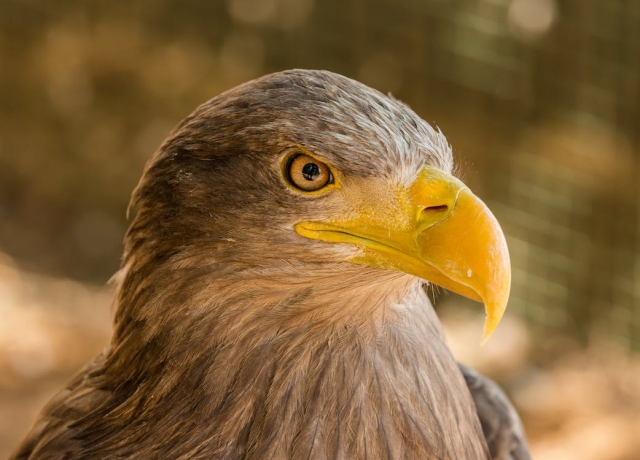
pixel 307 173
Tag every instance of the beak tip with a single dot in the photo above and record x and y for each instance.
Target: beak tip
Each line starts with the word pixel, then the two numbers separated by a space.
pixel 490 324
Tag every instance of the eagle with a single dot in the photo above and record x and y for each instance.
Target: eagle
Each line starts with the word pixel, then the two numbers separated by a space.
pixel 271 302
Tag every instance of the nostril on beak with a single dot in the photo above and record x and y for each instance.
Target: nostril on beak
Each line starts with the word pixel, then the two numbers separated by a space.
pixel 432 215
pixel 435 209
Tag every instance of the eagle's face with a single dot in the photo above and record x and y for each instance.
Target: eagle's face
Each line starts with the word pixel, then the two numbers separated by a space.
pixel 301 170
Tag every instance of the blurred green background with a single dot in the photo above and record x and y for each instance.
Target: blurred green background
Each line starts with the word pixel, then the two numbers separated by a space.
pixel 539 98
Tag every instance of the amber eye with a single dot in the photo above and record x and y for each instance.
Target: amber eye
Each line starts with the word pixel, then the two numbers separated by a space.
pixel 307 173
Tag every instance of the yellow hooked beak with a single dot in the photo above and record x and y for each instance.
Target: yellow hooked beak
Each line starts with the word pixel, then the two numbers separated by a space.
pixel 437 230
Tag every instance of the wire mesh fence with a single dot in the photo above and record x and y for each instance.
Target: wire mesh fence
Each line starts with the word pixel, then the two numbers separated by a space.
pixel 540 99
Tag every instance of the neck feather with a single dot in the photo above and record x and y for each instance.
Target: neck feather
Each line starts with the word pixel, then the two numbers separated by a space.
pixel 281 368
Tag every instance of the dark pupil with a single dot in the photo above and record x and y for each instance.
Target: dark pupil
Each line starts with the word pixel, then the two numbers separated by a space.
pixel 310 171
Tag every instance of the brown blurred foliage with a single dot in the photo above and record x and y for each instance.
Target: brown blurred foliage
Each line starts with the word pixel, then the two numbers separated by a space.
pixel 539 98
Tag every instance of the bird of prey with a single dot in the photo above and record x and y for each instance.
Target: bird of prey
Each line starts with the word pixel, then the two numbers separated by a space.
pixel 271 301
